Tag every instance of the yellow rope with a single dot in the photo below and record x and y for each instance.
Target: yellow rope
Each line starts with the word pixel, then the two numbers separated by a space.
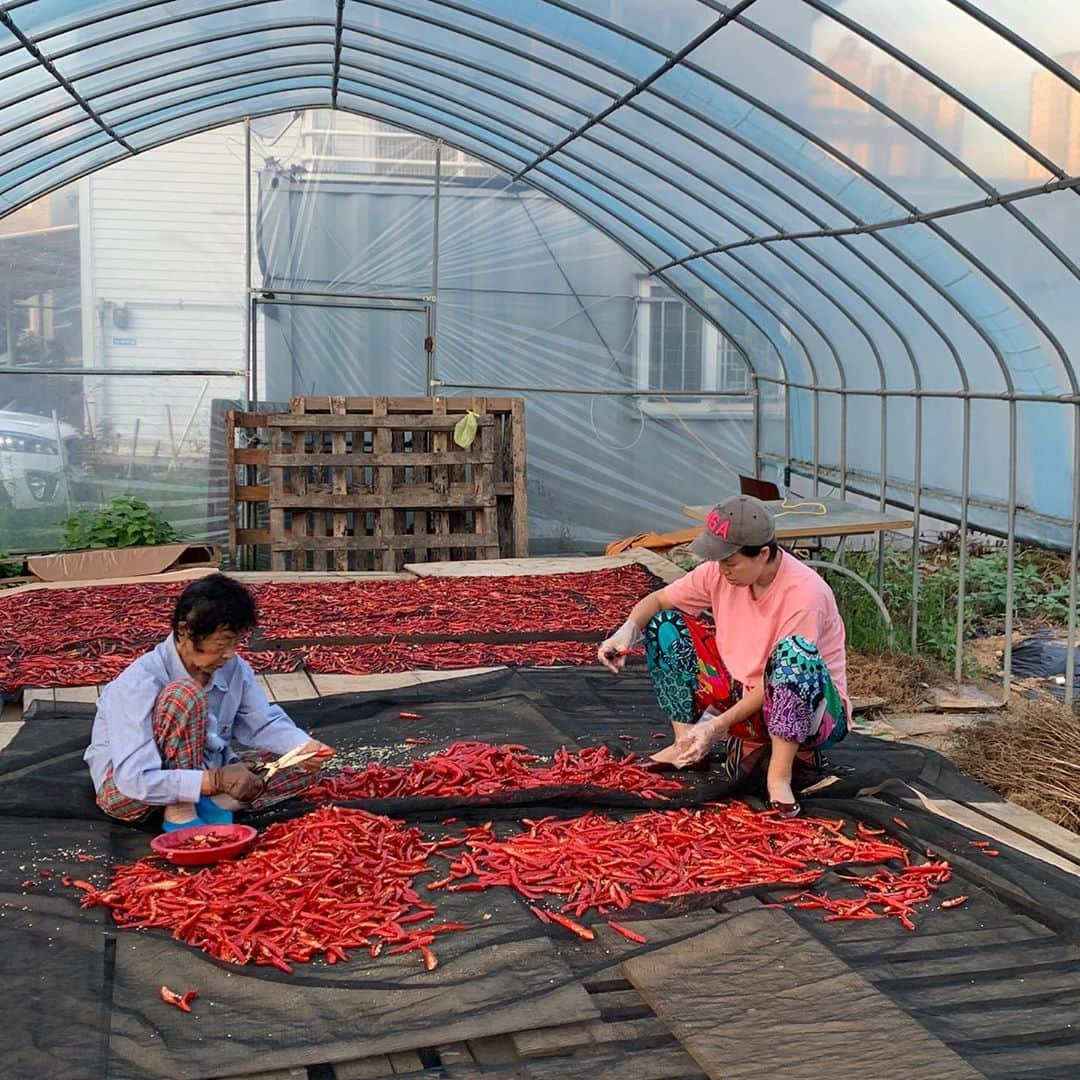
pixel 799 508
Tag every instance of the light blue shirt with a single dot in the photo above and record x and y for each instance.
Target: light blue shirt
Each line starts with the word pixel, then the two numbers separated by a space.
pixel 123 736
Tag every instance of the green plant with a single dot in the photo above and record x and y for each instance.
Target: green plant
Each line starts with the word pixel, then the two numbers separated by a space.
pixel 124 522
pixel 10 567
pixel 1040 594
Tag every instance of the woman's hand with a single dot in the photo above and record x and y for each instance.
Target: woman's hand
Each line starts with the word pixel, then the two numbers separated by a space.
pixel 612 652
pixel 698 741
pixel 323 754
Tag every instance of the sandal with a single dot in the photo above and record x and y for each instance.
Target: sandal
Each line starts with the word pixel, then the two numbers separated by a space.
pixel 784 810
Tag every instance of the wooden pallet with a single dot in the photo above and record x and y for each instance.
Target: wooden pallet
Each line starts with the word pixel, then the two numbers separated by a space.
pixel 342 483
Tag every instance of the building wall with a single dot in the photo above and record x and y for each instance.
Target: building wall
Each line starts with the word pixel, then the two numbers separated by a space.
pixel 163 287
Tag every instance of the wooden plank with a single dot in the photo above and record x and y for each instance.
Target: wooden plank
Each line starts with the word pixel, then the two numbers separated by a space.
pixel 230 466
pixel 325 422
pixel 440 474
pixel 252 536
pixel 389 459
pixel 520 480
pixel 384 487
pixel 84 694
pixel 487 520
pixel 295 686
pixel 405 498
pixel 339 484
pixel 619 1063
pixel 380 543
pixel 358 684
pixel 368 1068
pixel 360 405
pixel 247 455
pixel 761 969
pixel 277 491
pixel 405 1061
pixel 251 492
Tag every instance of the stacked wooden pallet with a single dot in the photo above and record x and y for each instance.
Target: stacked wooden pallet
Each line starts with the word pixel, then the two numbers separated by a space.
pixel 346 484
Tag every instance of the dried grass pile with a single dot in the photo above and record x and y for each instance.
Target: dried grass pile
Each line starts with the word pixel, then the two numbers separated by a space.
pixel 1031 756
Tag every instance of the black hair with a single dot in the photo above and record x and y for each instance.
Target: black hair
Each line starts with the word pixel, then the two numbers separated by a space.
pixel 215 602
pixel 752 551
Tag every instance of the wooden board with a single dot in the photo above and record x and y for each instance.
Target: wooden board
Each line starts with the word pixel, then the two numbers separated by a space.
pixel 777 1003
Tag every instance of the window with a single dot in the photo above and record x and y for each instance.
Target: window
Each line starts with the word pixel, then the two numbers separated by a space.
pixel 677 349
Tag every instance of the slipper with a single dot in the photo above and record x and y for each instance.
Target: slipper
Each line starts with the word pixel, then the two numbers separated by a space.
pixel 173 826
pixel 211 813
pixel 785 810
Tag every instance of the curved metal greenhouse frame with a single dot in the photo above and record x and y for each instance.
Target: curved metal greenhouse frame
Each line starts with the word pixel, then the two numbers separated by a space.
pixel 835 274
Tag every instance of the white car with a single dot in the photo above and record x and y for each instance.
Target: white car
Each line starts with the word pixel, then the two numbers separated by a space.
pixel 33 472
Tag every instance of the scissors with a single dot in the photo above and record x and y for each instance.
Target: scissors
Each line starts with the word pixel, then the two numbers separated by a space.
pixel 267 769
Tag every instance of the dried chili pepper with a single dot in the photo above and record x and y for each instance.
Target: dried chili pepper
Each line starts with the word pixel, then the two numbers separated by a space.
pixel 181 1001
pixel 630 935
pixel 332 880
pixel 956 901
pixel 467 769
pixel 411 715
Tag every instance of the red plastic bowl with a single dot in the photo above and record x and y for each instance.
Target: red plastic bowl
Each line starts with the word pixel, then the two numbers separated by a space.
pixel 234 840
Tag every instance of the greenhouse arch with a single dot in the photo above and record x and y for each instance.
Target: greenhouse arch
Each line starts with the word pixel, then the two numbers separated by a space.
pixel 874 209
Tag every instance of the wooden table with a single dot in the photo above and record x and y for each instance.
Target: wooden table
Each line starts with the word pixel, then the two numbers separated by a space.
pixel 802 518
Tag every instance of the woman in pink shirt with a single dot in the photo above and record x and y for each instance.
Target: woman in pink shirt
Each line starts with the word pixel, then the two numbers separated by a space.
pixel 770 679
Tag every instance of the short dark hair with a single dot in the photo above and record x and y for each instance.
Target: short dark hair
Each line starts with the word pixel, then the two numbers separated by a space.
pixel 215 602
pixel 752 551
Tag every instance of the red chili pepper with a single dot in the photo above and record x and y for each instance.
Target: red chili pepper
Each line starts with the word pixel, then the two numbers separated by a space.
pixel 956 901
pixel 901 822
pixel 574 927
pixel 324 883
pixel 631 935
pixel 991 853
pixel 979 843
pixel 411 715
pixel 411 741
pixel 181 1001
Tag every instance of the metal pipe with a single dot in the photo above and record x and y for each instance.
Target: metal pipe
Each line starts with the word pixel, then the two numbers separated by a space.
pixel 973 395
pixel 66 373
pixel 921 218
pixel 433 323
pixel 267 293
pixel 1070 648
pixel 247 260
pixel 756 432
pixel 1010 556
pixel 884 470
pixel 603 392
pixel 817 438
pixel 339 16
pixel 916 508
pixel 965 481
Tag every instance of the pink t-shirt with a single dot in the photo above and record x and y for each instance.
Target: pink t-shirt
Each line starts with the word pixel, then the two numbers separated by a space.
pixel 798 601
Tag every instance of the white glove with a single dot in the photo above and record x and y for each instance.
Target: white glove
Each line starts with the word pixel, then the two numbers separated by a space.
pixel 612 652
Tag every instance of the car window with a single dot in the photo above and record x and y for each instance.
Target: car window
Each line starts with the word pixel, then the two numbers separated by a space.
pixel 18 443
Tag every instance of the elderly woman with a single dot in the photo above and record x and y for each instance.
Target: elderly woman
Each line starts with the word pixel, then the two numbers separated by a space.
pixel 165 727
pixel 769 677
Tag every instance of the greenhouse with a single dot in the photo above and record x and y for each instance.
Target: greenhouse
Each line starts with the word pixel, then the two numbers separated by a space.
pixel 353 296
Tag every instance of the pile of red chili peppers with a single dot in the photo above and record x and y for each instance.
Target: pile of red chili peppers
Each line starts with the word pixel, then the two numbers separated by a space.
pixel 331 881
pixel 597 863
pixel 79 636
pixel 470 769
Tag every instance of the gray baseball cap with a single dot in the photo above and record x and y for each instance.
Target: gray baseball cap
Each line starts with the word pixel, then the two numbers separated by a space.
pixel 741 521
